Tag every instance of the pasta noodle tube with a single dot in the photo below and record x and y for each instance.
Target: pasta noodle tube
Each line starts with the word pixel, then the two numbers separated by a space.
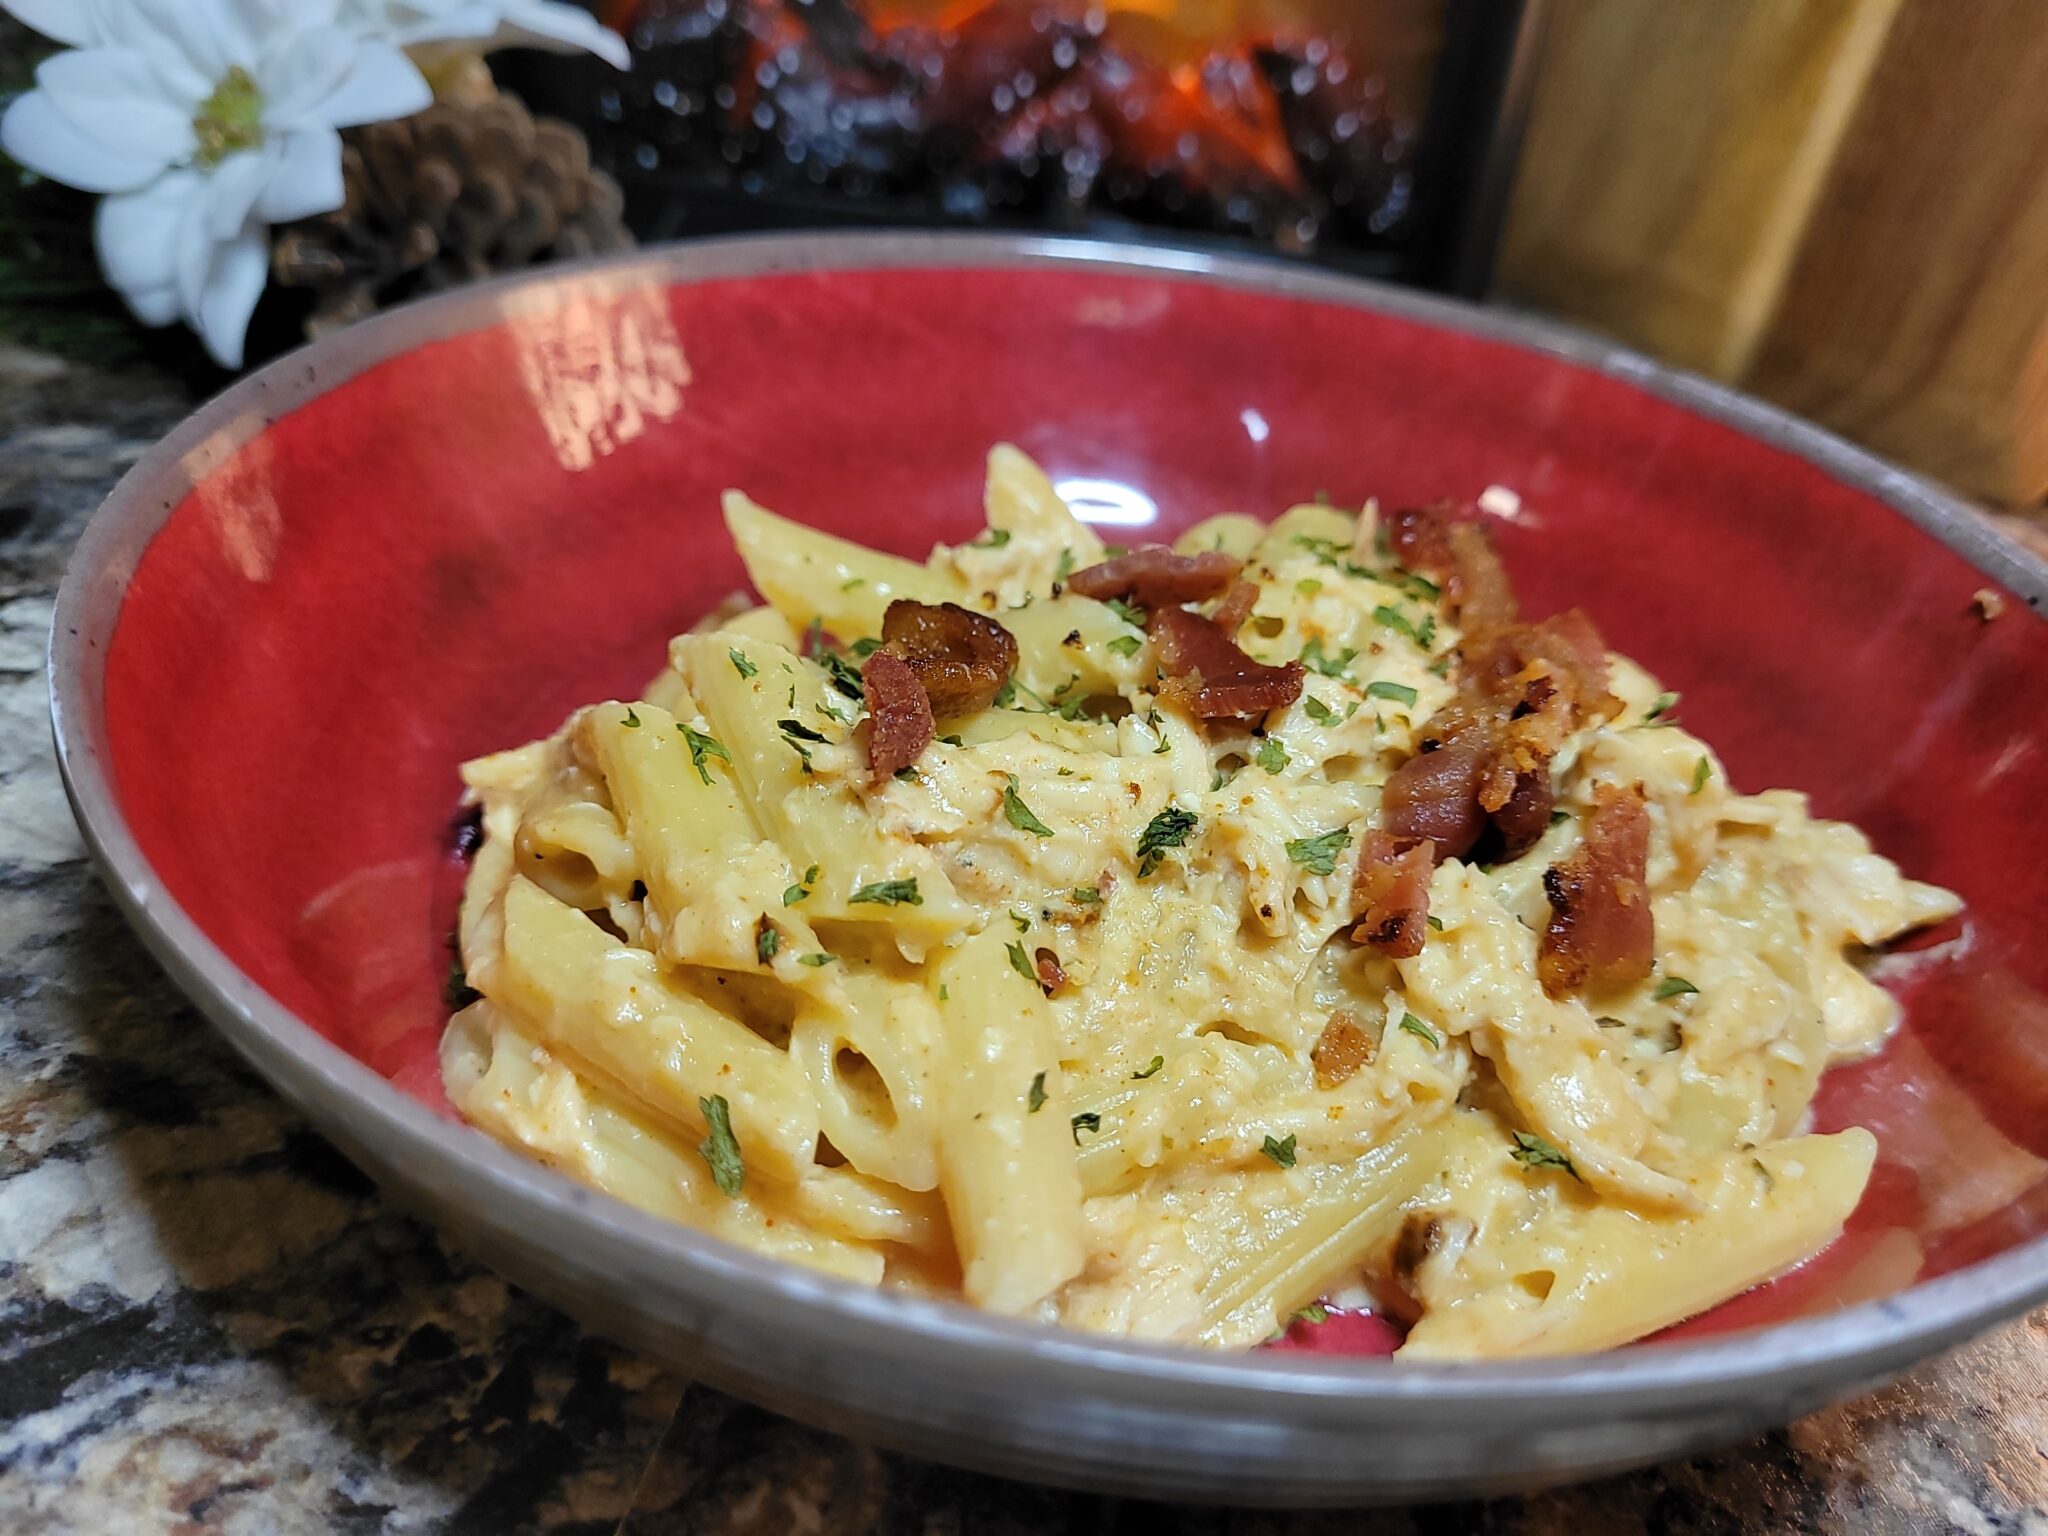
pixel 811 575
pixel 1594 1276
pixel 1006 1146
pixel 608 1007
pixel 504 1080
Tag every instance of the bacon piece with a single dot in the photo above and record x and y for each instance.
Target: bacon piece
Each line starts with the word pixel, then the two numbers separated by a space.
pixel 1391 894
pixel 1236 606
pixel 1433 798
pixel 1050 976
pixel 900 724
pixel 1341 1049
pixel 961 657
pixel 1155 577
pixel 1601 932
pixel 1459 557
pixel 1211 676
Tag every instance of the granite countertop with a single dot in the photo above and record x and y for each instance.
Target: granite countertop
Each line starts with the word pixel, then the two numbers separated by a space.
pixel 209 1321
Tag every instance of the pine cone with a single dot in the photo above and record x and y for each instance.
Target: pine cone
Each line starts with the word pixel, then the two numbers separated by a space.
pixel 460 191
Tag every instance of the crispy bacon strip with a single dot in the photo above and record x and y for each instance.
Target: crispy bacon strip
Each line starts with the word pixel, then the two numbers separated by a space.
pixel 1601 932
pixel 1485 759
pixel 961 657
pixel 1155 577
pixel 1391 894
pixel 900 724
pixel 1050 976
pixel 1236 606
pixel 1459 556
pixel 1341 1049
pixel 1209 674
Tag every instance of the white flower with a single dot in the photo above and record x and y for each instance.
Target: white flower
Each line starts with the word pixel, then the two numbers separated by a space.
pixel 485 23
pixel 204 122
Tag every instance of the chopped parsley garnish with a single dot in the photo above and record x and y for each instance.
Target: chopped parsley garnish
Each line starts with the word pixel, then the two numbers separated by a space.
pixel 1380 688
pixel 1422 588
pixel 995 538
pixel 739 661
pixel 1437 923
pixel 1064 567
pixel 1272 754
pixel 1318 855
pixel 1559 818
pixel 1221 777
pixel 814 636
pixel 1087 1121
pixel 721 1149
pixel 1308 586
pixel 632 721
pixel 1532 1151
pixel 1701 771
pixel 1282 1152
pixel 1396 620
pixel 1021 962
pixel 944 992
pixel 1314 1312
pixel 1660 707
pixel 797 893
pixel 1021 921
pixel 767 940
pixel 815 960
pixel 702 746
pixel 851 582
pixel 1151 1067
pixel 864 647
pixel 1036 1098
pixel 1673 986
pixel 1126 645
pixel 888 893
pixel 1007 694
pixel 1318 711
pixel 1020 815
pixel 1171 828
pixel 1130 614
pixel 799 730
pixel 842 674
pixel 1315 657
pixel 908 774
pixel 1413 1026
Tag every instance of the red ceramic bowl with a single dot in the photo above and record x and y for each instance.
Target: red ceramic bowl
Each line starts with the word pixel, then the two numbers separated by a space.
pixel 432 535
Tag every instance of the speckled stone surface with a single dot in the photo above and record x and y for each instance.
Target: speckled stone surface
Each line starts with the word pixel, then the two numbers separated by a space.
pixel 209 1322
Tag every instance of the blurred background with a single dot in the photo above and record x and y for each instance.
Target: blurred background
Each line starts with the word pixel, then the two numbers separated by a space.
pixel 1841 205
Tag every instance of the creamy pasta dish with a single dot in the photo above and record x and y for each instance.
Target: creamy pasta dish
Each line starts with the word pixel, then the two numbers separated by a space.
pixel 1167 942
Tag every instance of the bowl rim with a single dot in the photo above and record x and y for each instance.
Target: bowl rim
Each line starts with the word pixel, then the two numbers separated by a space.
pixel 1867 1340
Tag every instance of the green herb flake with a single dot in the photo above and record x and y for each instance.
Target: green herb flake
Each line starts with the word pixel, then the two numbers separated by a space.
pixel 1437 923
pixel 1007 694
pixel 1701 772
pixel 1282 1152
pixel 632 721
pixel 1314 1312
pixel 1036 1098
pixel 1673 986
pixel 1130 614
pixel 864 647
pixel 721 1149
pixel 797 893
pixel 1064 567
pixel 1318 855
pixel 851 582
pixel 1088 1121
pixel 1397 621
pixel 1314 657
pixel 1125 646
pixel 739 661
pixel 1532 1151
pixel 1660 707
pixel 888 893
pixel 1219 778
pixel 1171 828
pixel 945 993
pixel 995 538
pixel 1411 1025
pixel 1318 711
pixel 1272 754
pixel 1308 586
pixel 908 775
pixel 1021 962
pixel 1559 818
pixel 1020 921
pixel 842 674
pixel 1380 688
pixel 1018 814
pixel 1151 1067
pixel 701 747
pixel 815 960
pixel 767 940
pixel 799 730
pixel 1422 589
